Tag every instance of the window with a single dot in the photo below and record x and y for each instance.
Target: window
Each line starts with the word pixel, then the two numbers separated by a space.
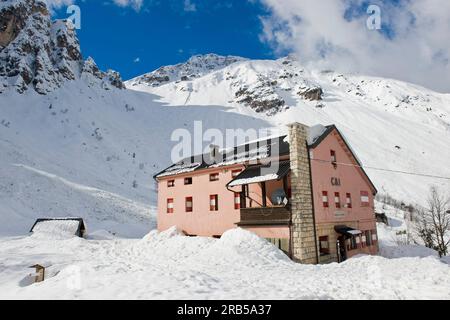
pixel 352 243
pixel 337 200
pixel 364 199
pixel 368 238
pixel 235 173
pixel 348 201
pixel 374 236
pixel 188 180
pixel 189 204
pixel 333 158
pixel 214 202
pixel 171 183
pixel 325 199
pixel 324 245
pixel 214 177
pixel 282 244
pixel 363 240
pixel 237 200
pixel 169 205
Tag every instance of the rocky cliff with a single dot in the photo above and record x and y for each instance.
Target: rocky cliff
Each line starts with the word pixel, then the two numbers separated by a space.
pixel 38 53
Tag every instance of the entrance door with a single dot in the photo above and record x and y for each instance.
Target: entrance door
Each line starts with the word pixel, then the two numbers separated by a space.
pixel 341 249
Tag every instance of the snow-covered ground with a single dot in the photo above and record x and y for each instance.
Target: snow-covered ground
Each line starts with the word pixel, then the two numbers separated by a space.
pixel 396 239
pixel 84 152
pixel 240 265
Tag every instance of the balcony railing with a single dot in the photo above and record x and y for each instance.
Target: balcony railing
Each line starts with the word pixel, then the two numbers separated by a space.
pixel 277 215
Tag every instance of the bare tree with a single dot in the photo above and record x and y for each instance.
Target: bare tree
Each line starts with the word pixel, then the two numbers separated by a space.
pixel 434 222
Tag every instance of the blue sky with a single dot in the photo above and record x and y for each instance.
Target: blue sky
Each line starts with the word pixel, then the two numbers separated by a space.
pixel 412 44
pixel 167 33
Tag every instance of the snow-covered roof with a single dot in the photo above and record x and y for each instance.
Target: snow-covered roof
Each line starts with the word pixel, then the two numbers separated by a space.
pixel 59 227
pixel 252 151
pixel 261 173
pixel 256 151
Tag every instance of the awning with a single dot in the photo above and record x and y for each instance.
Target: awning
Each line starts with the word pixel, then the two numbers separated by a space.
pixel 262 173
pixel 347 231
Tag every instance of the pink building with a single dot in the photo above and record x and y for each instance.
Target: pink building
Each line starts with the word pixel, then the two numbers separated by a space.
pixel 305 192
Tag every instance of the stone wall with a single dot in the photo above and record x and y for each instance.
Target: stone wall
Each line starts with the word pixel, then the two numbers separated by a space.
pixel 303 242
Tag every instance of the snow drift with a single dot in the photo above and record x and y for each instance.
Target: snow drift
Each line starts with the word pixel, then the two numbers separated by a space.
pixel 169 265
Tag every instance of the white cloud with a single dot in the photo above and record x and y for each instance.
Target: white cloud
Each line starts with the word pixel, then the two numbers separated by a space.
pixel 135 4
pixel 137 60
pixel 54 4
pixel 317 31
pixel 189 6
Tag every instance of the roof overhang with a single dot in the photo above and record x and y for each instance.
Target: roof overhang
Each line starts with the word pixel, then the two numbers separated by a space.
pixel 347 231
pixel 261 173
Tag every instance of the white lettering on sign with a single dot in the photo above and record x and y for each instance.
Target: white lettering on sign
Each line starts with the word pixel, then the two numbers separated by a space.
pixel 339 214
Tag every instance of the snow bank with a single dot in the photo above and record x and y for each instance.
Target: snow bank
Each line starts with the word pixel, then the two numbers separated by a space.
pixel 164 235
pixel 393 239
pixel 407 251
pixel 246 247
pixel 240 265
pixel 100 235
pixel 446 259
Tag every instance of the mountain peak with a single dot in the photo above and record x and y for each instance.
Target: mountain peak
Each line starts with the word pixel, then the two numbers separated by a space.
pixel 40 53
pixel 196 67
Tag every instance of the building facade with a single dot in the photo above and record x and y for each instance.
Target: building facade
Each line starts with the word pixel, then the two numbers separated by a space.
pixel 305 192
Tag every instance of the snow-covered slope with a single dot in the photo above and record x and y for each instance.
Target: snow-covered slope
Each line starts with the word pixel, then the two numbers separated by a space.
pixel 90 154
pixel 390 124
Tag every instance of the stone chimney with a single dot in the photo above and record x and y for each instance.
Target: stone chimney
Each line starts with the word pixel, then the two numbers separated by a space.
pixel 303 233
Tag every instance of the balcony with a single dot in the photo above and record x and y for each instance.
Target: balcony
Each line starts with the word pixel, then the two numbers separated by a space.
pixel 264 216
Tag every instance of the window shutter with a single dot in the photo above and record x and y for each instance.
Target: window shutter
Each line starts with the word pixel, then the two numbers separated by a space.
pixel 337 200
pixel 325 199
pixel 213 202
pixel 189 204
pixel 237 201
pixel 170 206
pixel 349 200
pixel 364 198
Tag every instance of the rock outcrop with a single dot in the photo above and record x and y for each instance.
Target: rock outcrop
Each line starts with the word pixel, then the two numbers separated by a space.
pixel 38 53
pixel 313 94
pixel 261 99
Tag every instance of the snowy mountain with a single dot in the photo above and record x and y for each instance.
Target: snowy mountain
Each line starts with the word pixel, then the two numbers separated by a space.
pixel 75 142
pixel 195 67
pixel 392 125
pixel 43 54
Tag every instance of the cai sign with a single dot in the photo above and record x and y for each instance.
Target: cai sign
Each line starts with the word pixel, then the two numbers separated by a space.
pixel 335 181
